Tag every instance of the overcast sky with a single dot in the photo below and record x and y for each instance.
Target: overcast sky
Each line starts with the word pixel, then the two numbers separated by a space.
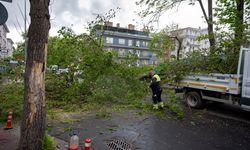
pixel 76 13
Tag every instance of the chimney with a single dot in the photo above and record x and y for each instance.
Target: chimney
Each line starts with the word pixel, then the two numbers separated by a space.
pixel 131 27
pixel 118 25
pixel 107 23
pixel 145 29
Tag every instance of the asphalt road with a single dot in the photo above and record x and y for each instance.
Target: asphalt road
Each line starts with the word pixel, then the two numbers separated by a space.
pixel 228 111
pixel 217 127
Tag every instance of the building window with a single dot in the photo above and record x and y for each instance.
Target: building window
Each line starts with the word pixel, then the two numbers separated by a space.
pixel 155 62
pixel 144 54
pixel 138 43
pixel 138 63
pixel 144 44
pixel 130 51
pixel 121 41
pixel 144 62
pixel 137 53
pixel 109 49
pixel 130 42
pixel 109 40
pixel 121 52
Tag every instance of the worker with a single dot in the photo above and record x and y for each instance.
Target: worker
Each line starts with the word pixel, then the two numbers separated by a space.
pixel 156 90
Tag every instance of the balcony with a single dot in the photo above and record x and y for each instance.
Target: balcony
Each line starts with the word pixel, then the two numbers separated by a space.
pixel 147 57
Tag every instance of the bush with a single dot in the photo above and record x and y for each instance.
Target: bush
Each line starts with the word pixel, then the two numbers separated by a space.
pixel 117 84
pixel 48 143
pixel 199 62
pixel 115 89
pixel 174 104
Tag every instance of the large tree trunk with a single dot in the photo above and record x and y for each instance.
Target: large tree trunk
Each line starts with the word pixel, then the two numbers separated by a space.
pixel 210 25
pixel 33 122
pixel 209 20
pixel 239 25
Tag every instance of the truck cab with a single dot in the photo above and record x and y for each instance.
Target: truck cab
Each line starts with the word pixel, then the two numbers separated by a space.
pixel 244 69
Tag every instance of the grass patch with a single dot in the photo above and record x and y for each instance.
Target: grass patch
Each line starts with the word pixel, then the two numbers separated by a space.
pixel 66 129
pixel 104 104
pixel 173 104
pixel 48 142
pixel 11 97
pixel 103 113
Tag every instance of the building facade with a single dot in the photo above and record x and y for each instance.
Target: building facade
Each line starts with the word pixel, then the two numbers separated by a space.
pixel 127 41
pixel 6 44
pixel 189 38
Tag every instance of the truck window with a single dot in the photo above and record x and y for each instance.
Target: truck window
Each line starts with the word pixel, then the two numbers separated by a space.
pixel 242 62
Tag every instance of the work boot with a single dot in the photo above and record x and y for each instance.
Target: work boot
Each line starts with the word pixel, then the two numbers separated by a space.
pixel 161 104
pixel 155 107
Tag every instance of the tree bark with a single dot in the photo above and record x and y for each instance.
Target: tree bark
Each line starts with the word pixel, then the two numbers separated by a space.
pixel 34 114
pixel 209 20
pixel 239 25
pixel 210 25
pixel 179 48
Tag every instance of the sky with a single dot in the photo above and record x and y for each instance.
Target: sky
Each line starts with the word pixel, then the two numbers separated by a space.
pixel 76 14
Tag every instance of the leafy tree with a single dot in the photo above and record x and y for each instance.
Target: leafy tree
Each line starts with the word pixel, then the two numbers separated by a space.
pixel 18 53
pixel 155 9
pixel 232 31
pixel 232 28
pixel 93 73
pixel 163 44
pixel 233 16
pixel 170 38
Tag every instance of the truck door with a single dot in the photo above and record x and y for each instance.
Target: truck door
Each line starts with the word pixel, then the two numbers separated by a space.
pixel 246 80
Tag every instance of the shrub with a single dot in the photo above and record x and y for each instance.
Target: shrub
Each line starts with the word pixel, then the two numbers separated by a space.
pixel 48 142
pixel 174 104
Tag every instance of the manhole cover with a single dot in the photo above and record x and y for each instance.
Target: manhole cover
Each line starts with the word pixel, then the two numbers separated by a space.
pixel 119 145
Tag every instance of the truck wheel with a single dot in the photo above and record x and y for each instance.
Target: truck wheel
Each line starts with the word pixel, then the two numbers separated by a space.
pixel 193 99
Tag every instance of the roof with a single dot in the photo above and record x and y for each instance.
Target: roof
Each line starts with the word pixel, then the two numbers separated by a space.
pixel 191 28
pixel 121 30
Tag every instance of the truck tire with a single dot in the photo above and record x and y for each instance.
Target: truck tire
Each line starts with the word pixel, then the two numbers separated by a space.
pixel 193 99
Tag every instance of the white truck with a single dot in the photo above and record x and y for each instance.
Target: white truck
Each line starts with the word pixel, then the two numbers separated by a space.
pixel 226 88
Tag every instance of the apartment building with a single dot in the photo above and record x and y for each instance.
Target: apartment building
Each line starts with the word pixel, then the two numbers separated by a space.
pixel 189 38
pixel 127 41
pixel 6 44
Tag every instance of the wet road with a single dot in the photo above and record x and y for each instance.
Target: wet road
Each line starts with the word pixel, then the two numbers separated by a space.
pixel 228 111
pixel 216 127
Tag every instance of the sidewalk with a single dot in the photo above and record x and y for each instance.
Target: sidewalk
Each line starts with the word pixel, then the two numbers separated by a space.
pixel 9 139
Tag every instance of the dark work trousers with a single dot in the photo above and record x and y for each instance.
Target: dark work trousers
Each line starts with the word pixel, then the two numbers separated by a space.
pixel 157 97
